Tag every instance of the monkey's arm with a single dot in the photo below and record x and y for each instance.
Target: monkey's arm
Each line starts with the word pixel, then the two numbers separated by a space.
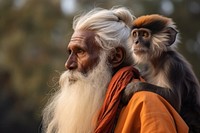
pixel 172 69
pixel 166 93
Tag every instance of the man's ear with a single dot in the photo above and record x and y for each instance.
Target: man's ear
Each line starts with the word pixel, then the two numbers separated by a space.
pixel 117 57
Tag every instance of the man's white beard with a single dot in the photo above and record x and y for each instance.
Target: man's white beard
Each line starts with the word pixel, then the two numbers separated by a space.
pixel 74 108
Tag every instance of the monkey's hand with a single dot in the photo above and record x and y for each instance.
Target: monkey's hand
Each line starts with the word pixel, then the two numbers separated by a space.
pixel 128 92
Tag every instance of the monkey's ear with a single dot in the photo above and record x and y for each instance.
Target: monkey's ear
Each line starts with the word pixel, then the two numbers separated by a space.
pixel 116 57
pixel 172 33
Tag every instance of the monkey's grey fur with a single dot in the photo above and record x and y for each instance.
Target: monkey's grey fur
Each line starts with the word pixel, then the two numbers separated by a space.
pixel 166 71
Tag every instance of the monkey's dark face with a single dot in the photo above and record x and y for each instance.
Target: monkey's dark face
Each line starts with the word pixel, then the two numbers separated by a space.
pixel 141 41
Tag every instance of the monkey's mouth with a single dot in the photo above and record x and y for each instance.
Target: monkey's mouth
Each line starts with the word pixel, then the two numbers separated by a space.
pixel 139 50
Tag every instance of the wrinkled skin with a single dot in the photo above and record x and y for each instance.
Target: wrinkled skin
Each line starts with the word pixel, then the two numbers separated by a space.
pixel 83 52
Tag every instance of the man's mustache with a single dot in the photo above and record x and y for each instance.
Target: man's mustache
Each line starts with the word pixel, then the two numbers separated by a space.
pixel 72 76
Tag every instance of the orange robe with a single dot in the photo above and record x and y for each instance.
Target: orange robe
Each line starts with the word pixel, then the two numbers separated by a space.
pixel 148 112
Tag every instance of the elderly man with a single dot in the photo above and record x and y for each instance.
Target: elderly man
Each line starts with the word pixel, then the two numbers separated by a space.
pixel 98 69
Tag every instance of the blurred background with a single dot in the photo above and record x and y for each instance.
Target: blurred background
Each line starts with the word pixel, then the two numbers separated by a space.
pixel 33 39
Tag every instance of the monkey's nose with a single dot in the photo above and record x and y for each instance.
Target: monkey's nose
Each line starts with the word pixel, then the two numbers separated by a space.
pixel 136 42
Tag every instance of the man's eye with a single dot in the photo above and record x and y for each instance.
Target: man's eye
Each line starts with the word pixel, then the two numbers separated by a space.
pixel 80 51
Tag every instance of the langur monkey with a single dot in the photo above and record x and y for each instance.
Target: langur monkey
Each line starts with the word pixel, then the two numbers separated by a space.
pixel 167 73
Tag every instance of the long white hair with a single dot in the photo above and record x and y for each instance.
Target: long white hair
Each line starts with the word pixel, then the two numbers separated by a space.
pixel 111 27
pixel 74 108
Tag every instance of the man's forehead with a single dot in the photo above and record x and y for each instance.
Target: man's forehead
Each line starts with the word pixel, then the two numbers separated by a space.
pixel 83 34
pixel 84 39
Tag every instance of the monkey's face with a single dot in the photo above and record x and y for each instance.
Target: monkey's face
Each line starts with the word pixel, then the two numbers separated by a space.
pixel 141 41
pixel 151 36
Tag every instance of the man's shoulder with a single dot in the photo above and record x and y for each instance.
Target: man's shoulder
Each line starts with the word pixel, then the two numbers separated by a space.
pixel 144 96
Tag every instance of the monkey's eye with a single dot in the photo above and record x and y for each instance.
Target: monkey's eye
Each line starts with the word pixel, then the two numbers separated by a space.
pixel 145 34
pixel 134 34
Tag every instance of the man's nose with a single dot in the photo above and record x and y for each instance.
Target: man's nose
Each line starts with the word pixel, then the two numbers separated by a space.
pixel 71 62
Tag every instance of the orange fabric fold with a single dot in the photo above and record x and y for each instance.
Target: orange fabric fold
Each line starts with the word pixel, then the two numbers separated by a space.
pixel 110 108
pixel 141 115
